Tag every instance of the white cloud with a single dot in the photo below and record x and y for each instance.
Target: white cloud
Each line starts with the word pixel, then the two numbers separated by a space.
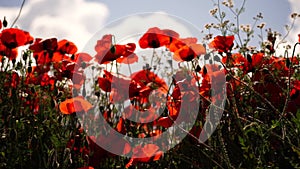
pixel 75 20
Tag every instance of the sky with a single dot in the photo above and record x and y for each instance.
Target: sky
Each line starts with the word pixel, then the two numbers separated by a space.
pixel 81 20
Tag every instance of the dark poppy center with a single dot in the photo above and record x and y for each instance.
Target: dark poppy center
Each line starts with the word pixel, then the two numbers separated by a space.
pixel 154 43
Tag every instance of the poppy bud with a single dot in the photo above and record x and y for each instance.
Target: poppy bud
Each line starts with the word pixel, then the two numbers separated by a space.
pixel 198 68
pixel 217 58
pixel 249 58
pixel 25 55
pixel 32 90
pixel 29 69
pixel 59 94
pixel 83 90
pixel 97 93
pixel 228 78
pixel 287 62
pixel 4 22
pixel 13 62
pixel 206 56
pixel 101 108
pixel 83 65
pixel 204 70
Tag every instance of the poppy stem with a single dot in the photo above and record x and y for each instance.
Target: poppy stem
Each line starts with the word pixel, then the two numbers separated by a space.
pixel 289 81
pixel 16 19
pixel 129 68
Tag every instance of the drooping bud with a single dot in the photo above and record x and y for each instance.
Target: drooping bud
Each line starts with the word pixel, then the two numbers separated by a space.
pixel 4 22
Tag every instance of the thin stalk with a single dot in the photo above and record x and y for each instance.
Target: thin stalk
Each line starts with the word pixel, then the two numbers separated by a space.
pixel 19 14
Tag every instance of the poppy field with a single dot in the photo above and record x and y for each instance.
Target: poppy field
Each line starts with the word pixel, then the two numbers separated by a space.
pixel 215 102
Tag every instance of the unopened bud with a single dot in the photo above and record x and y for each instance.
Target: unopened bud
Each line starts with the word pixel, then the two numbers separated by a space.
pixel 4 22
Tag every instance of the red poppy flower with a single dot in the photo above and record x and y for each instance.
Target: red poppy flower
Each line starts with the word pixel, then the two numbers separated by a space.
pixel 78 79
pixel 237 60
pixel 115 52
pixel 180 42
pixel 14 79
pixel 40 45
pixel 131 58
pixel 120 84
pixel 136 113
pixel 65 69
pixel 119 53
pixel 222 43
pixel 104 44
pixel 73 105
pixel 189 52
pixel 299 38
pixel 142 84
pixel 64 50
pixel 211 76
pixel 82 57
pixel 9 53
pixel 46 80
pixel 257 60
pixel 121 126
pixel 66 47
pixel 278 63
pixel 155 38
pixel 104 83
pixel 112 141
pixel 146 153
pixel 97 152
pixel 165 122
pixel 43 50
pixel 294 103
pixel 14 37
pixel 149 79
pixel 116 84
